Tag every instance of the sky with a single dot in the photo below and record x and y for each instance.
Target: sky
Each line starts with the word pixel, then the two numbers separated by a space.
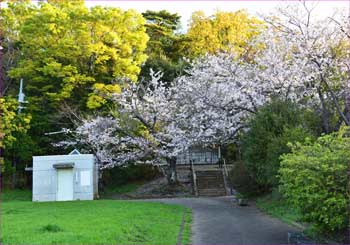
pixel 186 8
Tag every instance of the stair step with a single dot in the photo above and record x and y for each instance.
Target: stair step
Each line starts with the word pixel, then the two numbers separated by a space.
pixel 210 178
pixel 212 195
pixel 210 183
pixel 210 186
pixel 209 172
pixel 211 189
pixel 218 193
pixel 211 192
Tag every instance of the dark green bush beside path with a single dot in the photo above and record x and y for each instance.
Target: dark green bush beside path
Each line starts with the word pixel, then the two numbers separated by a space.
pixel 281 151
pixel 276 206
pixel 122 180
pixel 314 186
pixel 272 127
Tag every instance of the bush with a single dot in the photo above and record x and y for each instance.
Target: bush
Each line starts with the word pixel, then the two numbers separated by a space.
pixel 314 177
pixel 118 176
pixel 230 152
pixel 274 125
pixel 241 181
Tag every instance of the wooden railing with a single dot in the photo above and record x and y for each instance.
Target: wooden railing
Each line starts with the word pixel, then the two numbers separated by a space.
pixel 226 178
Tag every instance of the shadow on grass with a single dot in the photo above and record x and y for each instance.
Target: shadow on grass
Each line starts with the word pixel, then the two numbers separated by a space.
pixel 16 195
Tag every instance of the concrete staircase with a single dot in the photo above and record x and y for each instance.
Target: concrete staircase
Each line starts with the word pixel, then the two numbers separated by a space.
pixel 210 182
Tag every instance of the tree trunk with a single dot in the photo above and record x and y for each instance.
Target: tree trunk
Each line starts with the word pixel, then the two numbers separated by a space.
pixel 325 112
pixel 335 101
pixel 347 104
pixel 346 110
pixel 14 173
pixel 340 119
pixel 172 175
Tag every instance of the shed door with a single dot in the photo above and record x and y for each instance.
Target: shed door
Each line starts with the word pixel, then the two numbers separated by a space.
pixel 64 184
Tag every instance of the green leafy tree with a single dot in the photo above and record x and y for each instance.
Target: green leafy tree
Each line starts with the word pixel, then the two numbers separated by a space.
pixel 11 126
pixel 271 128
pixel 223 32
pixel 161 27
pixel 69 55
pixel 165 48
pixel 314 177
pixel 67 48
pixel 11 122
pixel 11 19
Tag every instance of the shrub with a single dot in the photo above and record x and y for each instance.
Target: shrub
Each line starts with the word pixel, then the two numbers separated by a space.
pixel 130 173
pixel 230 152
pixel 274 125
pixel 241 181
pixel 314 177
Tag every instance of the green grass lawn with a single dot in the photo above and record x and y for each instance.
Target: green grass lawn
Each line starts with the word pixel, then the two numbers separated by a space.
pixel 90 222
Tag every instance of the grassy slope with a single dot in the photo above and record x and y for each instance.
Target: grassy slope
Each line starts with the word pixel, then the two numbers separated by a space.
pixel 124 188
pixel 278 208
pixel 90 222
pixel 120 190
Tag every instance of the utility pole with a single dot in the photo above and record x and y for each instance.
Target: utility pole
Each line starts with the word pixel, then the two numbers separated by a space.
pixel 21 101
pixel 2 79
pixel 21 95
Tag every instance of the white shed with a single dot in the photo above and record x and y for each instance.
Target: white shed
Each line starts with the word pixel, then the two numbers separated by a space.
pixel 65 177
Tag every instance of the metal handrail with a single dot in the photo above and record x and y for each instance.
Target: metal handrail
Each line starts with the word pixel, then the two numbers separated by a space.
pixel 194 179
pixel 225 167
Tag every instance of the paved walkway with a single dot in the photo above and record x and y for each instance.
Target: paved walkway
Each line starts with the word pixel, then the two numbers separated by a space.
pixel 220 221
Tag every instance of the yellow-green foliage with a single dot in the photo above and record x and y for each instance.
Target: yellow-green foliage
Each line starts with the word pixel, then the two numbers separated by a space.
pixel 11 122
pixel 315 179
pixel 225 31
pixel 101 93
pixel 67 47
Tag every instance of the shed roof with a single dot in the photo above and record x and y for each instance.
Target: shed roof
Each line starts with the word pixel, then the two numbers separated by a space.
pixel 63 165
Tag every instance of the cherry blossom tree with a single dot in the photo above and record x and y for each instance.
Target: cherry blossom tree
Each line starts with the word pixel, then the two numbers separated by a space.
pixel 309 55
pixel 215 97
pixel 297 59
pixel 144 129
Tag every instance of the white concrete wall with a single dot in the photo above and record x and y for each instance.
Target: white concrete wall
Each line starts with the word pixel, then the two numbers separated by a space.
pixel 45 176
